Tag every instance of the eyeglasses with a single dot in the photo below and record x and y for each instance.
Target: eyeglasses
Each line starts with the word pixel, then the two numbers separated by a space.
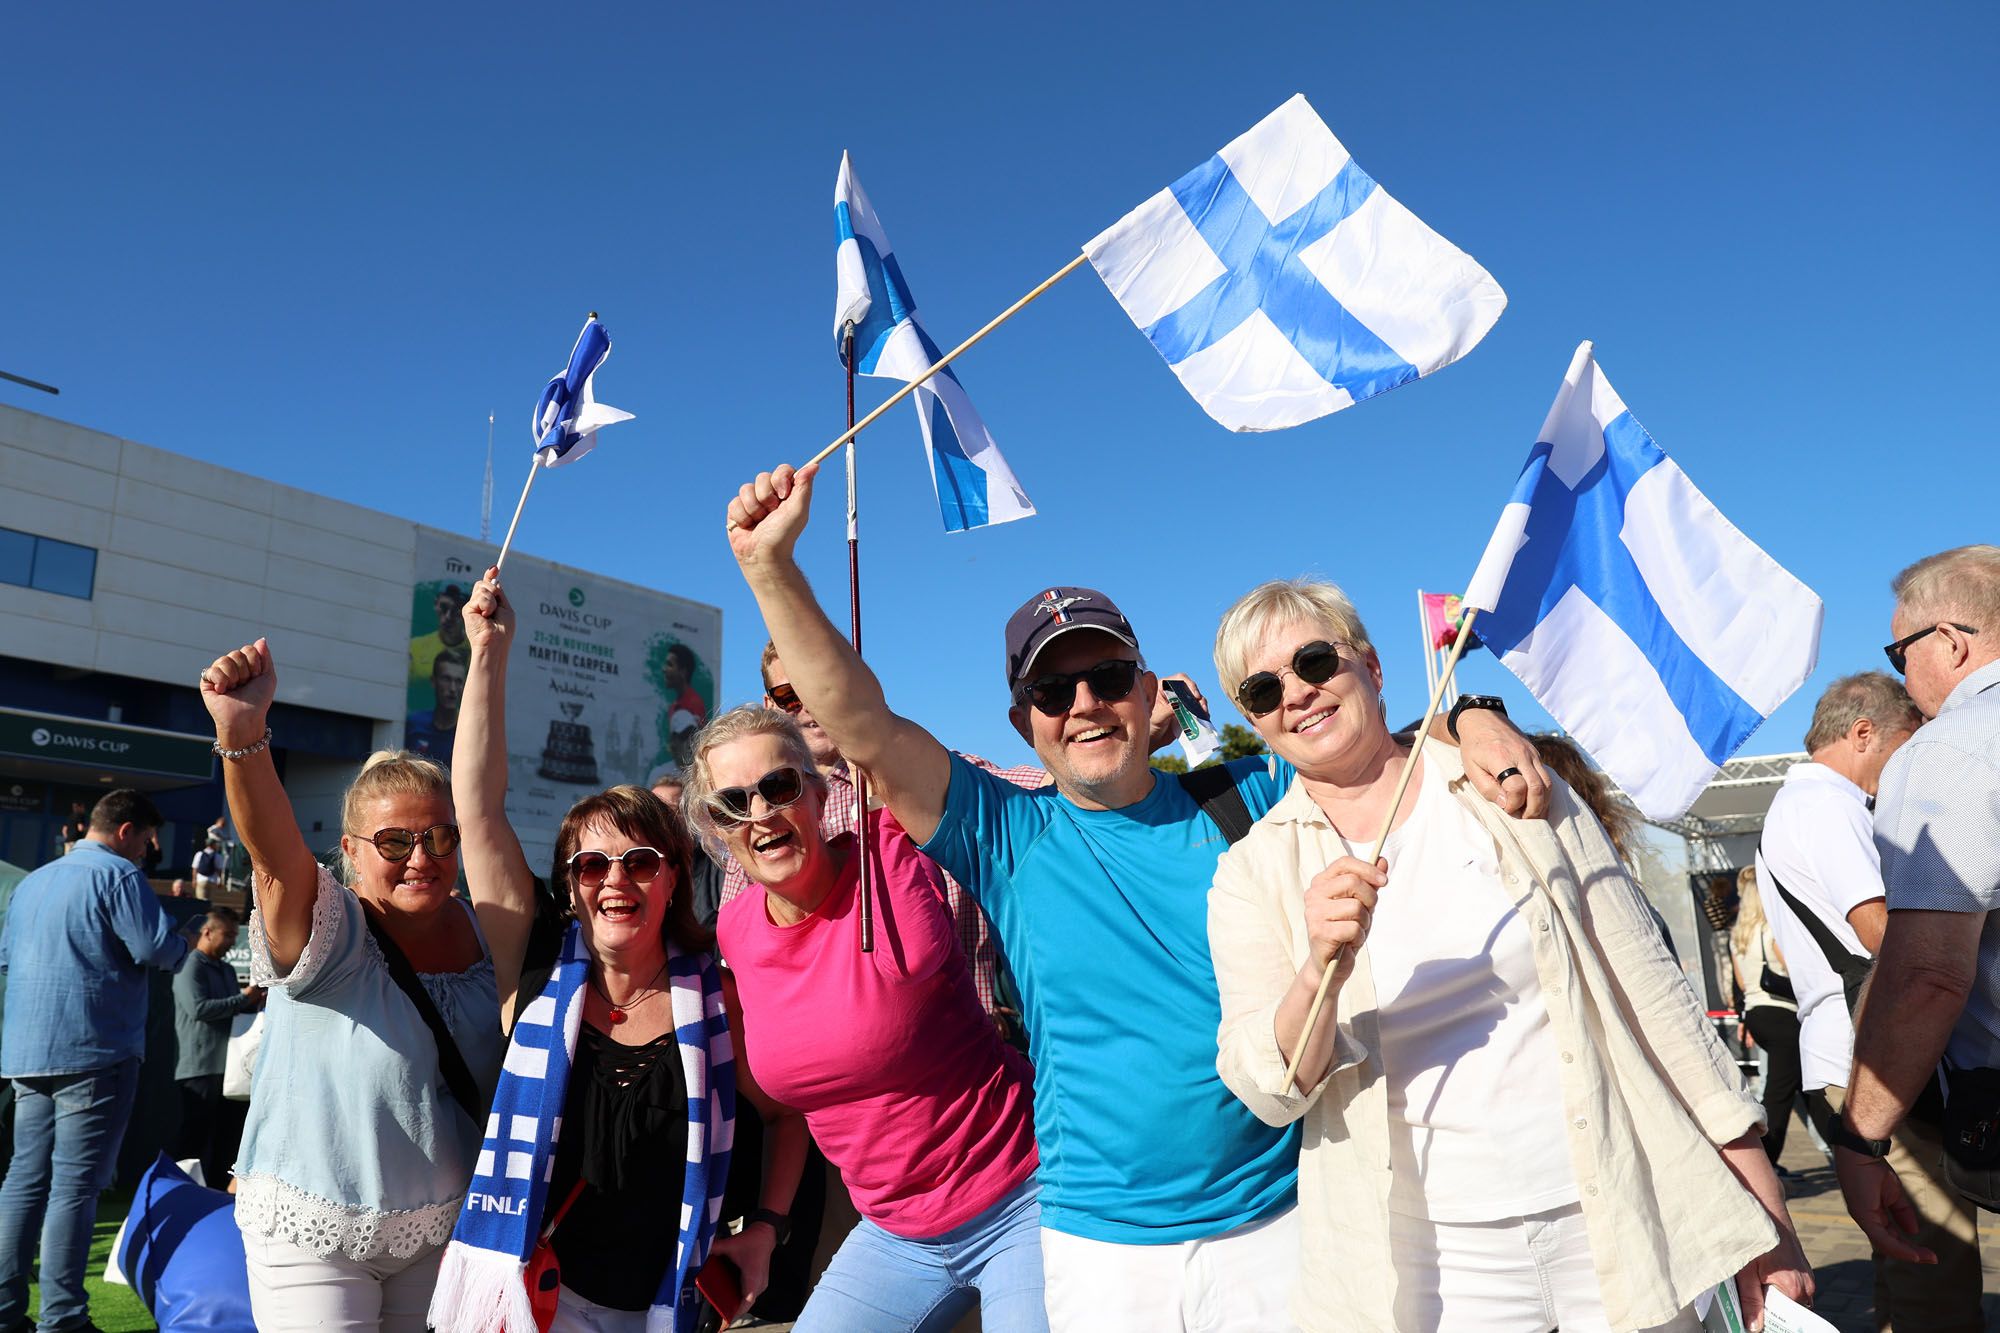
pixel 1314 663
pixel 786 698
pixel 781 787
pixel 1899 651
pixel 397 844
pixel 1053 694
pixel 642 866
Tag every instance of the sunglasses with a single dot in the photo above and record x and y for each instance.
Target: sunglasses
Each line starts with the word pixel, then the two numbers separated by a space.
pixel 397 844
pixel 1314 663
pixel 781 787
pixel 642 866
pixel 786 698
pixel 1899 651
pixel 1053 694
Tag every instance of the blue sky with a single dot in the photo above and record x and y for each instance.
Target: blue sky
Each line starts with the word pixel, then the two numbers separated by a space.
pixel 320 244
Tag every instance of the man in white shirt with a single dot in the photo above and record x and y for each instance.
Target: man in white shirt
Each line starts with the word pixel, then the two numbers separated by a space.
pixel 1822 887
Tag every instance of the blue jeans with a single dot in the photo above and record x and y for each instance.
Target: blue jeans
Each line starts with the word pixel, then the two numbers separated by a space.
pixel 67 1128
pixel 884 1283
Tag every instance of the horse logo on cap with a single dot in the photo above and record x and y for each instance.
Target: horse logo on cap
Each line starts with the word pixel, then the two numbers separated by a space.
pixel 1055 605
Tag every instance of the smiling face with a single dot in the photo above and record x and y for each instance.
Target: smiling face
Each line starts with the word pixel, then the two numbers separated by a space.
pixel 420 884
pixel 1327 730
pixel 620 916
pixel 779 849
pixel 1097 749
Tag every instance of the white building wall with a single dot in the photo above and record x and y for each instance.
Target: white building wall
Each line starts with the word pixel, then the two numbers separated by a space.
pixel 195 559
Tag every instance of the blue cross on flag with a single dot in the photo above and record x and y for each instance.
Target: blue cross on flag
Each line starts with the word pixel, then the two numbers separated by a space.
pixel 975 487
pixel 567 415
pixel 1281 283
pixel 1650 627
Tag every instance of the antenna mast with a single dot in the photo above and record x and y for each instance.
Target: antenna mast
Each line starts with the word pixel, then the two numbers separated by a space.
pixel 486 491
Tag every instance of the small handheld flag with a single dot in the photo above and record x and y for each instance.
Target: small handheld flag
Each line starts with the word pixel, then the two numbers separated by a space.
pixel 567 416
pixel 1657 633
pixel 975 487
pixel 1281 283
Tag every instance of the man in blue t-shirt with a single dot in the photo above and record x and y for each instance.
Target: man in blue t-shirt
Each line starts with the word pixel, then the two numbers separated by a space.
pixel 1165 1203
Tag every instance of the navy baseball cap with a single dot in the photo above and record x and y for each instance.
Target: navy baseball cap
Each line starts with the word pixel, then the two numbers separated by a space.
pixel 1054 612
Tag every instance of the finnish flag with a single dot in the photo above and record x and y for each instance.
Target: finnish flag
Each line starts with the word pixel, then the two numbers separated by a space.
pixel 568 415
pixel 1281 283
pixel 1649 626
pixel 975 486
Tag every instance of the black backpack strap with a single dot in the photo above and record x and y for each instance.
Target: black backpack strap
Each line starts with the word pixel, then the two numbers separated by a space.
pixel 457 1074
pixel 1215 791
pixel 1851 968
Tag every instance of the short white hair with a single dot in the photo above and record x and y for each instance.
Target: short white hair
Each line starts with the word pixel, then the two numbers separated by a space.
pixel 1960 584
pixel 1281 602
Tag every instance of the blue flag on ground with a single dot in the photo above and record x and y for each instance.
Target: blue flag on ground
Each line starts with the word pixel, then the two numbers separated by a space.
pixel 1649 626
pixel 567 415
pixel 975 487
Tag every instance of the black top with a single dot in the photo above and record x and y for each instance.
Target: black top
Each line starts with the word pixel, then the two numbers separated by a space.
pixel 625 1132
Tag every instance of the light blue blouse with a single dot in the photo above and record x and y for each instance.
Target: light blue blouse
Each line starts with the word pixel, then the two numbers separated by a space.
pixel 354 1145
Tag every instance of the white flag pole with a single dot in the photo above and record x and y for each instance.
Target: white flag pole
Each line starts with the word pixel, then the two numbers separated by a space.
pixel 1388 821
pixel 1424 634
pixel 534 468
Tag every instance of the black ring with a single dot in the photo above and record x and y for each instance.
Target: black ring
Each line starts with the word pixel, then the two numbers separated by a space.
pixel 1506 773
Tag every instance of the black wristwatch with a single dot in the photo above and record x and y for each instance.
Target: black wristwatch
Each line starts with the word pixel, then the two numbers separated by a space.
pixel 780 1223
pixel 1465 701
pixel 1843 1137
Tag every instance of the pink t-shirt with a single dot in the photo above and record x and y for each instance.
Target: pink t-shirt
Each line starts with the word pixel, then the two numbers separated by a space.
pixel 905 1084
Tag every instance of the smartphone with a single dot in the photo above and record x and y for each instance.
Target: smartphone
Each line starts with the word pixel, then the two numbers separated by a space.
pixel 1198 737
pixel 721 1286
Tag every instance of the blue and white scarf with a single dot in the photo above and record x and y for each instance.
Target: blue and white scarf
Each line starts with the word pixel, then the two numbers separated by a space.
pixel 480 1288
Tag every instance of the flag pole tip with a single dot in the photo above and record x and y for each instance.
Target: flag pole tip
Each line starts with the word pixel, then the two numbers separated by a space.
pixel 593 314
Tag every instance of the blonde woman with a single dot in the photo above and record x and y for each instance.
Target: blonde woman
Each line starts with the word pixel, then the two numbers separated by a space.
pixel 1770 1009
pixel 1516 1116
pixel 364 1122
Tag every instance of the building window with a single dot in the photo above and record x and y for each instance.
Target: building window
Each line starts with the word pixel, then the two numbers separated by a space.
pixel 46 564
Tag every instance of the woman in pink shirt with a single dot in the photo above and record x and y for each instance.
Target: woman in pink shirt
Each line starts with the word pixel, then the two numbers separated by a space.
pixel 902 1078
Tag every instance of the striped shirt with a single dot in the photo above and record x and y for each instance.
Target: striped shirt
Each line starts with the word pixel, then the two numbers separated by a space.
pixel 1937 824
pixel 841 814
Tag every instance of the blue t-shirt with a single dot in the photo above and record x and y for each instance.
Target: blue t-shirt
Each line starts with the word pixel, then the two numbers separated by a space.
pixel 1104 917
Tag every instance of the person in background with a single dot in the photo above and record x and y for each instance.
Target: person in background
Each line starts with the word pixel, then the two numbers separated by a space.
pixel 178 889
pixel 80 934
pixel 1514 1107
pixel 207 999
pixel 705 881
pixel 208 867
pixel 1770 1010
pixel 365 1120
pixel 75 828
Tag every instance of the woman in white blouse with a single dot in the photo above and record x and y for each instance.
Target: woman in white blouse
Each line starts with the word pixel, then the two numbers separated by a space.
pixel 1516 1116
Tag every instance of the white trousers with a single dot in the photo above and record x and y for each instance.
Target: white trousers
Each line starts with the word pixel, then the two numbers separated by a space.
pixel 574 1314
pixel 293 1289
pixel 1516 1275
pixel 1238 1282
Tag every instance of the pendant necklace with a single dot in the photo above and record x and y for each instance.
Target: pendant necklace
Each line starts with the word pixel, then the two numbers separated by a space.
pixel 619 1012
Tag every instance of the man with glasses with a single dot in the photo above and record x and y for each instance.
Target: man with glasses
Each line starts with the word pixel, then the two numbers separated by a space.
pixel 80 934
pixel 1165 1204
pixel 1936 988
pixel 1821 883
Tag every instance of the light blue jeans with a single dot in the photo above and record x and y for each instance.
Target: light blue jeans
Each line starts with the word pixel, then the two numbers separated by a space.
pixel 884 1283
pixel 67 1128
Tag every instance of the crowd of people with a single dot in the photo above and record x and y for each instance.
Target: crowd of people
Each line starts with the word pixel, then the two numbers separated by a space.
pixel 1099 1048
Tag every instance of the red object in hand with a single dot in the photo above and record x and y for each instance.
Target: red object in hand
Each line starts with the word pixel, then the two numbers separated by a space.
pixel 721 1286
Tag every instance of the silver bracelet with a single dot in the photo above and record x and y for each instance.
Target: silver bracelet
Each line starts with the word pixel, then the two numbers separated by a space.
pixel 247 750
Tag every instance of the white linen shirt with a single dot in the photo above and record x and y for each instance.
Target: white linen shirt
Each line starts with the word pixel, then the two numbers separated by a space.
pixel 1648 1091
pixel 1819 842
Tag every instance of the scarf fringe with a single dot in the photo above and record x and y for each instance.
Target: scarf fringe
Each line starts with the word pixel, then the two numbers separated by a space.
pixel 480 1291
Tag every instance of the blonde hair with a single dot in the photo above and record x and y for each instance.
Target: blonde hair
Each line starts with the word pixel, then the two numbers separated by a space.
pixel 1964 581
pixel 1279 602
pixel 737 724
pixel 1749 912
pixel 388 773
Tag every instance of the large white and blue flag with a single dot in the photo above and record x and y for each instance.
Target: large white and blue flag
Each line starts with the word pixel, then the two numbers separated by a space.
pixel 975 486
pixel 568 415
pixel 1281 283
pixel 1652 629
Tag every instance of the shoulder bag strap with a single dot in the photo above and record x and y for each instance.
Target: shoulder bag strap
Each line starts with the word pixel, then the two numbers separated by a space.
pixel 457 1075
pixel 1850 967
pixel 1215 791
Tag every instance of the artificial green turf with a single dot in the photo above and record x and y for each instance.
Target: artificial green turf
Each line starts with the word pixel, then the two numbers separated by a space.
pixel 113 1308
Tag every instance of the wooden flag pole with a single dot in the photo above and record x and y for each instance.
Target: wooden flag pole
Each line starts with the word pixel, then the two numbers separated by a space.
pixel 866 909
pixel 949 357
pixel 534 470
pixel 1388 821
